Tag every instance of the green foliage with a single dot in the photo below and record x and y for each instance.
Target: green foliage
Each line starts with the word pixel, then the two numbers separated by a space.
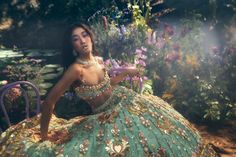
pixel 197 80
pixel 21 69
pixel 194 79
pixel 199 83
pixel 117 39
pixel 141 12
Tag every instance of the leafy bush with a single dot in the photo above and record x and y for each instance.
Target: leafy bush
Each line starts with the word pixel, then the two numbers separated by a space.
pixel 197 80
pixel 191 78
pixel 21 69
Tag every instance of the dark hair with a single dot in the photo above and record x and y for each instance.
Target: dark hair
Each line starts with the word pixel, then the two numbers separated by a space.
pixel 67 49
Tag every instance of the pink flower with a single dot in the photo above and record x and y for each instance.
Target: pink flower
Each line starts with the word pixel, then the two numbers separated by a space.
pixel 105 22
pixel 168 30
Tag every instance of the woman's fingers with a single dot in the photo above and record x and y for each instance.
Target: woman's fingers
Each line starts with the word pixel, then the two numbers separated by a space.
pixel 135 72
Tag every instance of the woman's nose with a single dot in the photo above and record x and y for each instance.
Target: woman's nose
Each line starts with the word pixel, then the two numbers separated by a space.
pixel 82 40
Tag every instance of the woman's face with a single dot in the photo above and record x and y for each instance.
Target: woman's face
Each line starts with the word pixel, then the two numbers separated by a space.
pixel 81 41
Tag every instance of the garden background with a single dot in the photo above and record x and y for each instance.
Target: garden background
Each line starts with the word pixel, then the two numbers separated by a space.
pixel 187 50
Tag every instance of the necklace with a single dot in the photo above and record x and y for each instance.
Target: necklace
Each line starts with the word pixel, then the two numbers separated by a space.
pixel 86 63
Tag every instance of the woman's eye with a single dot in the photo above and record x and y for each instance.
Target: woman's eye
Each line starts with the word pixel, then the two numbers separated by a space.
pixel 85 34
pixel 74 39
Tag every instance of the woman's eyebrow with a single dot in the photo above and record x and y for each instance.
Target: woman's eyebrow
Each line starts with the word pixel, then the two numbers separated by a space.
pixel 75 35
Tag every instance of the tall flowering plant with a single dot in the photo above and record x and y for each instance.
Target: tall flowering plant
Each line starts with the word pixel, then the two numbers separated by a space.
pixel 140 83
pixel 183 71
pixel 194 79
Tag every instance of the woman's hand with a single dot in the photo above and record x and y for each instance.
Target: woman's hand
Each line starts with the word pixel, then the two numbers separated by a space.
pixel 130 71
pixel 44 137
pixel 134 72
pixel 56 136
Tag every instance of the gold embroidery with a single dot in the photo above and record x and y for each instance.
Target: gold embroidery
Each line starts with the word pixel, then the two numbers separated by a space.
pixel 108 117
pixel 205 150
pixel 165 125
pixel 137 108
pixel 117 148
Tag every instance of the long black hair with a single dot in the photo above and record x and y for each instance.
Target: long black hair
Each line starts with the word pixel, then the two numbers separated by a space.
pixel 67 48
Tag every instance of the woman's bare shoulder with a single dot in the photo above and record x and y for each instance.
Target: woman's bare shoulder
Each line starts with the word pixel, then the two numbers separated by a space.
pixel 74 70
pixel 75 67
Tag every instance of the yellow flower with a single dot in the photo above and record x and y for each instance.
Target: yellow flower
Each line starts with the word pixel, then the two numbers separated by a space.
pixel 149 30
pixel 192 60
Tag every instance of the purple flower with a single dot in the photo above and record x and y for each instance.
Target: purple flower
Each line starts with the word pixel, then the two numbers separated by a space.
pixel 144 49
pixel 141 56
pixel 145 78
pixel 136 61
pixel 142 63
pixel 138 52
pixel 114 64
pixel 107 62
pixel 139 62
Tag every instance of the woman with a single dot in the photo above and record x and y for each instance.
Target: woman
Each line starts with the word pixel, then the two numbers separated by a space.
pixel 123 122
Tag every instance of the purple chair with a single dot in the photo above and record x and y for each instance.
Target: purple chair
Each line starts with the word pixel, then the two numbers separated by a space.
pixel 4 89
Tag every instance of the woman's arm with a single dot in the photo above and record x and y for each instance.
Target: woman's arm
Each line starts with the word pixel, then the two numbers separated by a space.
pixel 120 77
pixel 47 107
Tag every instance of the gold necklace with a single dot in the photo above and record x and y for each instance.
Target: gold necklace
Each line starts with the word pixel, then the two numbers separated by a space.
pixel 86 63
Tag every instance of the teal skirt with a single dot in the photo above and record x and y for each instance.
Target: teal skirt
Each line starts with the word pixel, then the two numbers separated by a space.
pixel 127 124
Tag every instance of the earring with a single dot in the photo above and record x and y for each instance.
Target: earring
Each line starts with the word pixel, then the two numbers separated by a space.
pixel 74 53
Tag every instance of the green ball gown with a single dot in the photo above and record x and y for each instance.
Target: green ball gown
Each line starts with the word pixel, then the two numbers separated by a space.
pixel 127 124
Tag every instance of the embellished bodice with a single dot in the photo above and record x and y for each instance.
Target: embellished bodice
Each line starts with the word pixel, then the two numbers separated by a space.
pixel 88 92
